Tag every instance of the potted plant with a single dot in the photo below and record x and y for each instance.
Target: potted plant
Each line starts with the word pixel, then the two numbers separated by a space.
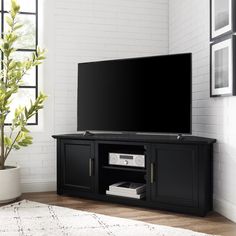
pixel 15 135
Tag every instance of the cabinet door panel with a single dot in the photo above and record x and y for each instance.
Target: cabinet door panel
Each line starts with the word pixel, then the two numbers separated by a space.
pixel 77 160
pixel 175 174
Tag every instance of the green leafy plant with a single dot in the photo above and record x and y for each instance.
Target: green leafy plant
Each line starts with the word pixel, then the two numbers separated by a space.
pixel 11 78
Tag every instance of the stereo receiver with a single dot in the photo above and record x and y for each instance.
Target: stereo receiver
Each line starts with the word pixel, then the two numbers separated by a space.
pixel 123 159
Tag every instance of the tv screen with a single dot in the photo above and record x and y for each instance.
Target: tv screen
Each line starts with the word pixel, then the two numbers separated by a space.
pixel 150 94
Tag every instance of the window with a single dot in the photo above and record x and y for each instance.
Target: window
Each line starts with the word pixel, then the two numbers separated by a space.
pixel 26 45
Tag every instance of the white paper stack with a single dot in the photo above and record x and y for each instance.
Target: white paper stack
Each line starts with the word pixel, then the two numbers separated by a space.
pixel 127 189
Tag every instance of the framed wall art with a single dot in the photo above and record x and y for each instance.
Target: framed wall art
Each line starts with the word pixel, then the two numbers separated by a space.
pixel 223 67
pixel 222 18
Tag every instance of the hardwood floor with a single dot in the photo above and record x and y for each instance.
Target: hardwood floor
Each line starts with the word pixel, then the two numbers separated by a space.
pixel 212 224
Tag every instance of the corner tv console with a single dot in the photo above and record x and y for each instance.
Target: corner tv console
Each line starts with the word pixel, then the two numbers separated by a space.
pixel 177 173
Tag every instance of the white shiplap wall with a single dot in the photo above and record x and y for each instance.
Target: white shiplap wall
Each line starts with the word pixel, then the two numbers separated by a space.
pixel 88 30
pixel 212 117
pixel 76 31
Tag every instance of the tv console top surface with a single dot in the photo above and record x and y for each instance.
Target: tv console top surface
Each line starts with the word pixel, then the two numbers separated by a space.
pixel 137 138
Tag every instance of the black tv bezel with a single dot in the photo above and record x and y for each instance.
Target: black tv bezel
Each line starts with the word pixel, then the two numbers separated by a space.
pixel 136 132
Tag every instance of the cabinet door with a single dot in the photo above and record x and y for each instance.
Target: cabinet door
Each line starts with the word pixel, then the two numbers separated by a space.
pixel 77 163
pixel 174 174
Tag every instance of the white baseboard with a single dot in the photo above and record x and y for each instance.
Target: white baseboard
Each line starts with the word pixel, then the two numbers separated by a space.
pixel 38 187
pixel 225 208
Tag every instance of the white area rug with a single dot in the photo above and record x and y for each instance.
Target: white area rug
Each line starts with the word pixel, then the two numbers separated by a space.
pixel 28 218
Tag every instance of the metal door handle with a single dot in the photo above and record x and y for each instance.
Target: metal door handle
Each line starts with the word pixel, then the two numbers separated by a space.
pixel 90 167
pixel 152 173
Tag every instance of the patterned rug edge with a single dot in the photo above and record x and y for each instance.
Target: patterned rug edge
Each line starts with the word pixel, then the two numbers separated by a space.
pixel 25 201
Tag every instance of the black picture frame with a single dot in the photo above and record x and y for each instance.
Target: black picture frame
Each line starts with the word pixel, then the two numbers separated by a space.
pixel 219 44
pixel 230 30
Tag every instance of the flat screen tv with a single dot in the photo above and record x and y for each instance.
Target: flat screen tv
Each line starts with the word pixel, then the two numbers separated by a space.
pixel 149 94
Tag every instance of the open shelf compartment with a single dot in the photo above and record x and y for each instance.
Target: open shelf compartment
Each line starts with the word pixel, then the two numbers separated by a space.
pixel 110 174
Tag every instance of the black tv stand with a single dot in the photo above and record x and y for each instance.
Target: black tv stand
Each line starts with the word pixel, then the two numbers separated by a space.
pixel 177 173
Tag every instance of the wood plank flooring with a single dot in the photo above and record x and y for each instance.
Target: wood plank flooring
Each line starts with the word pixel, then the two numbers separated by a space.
pixel 213 223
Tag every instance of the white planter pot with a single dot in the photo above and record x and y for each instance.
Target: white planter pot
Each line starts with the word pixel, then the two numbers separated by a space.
pixel 9 184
